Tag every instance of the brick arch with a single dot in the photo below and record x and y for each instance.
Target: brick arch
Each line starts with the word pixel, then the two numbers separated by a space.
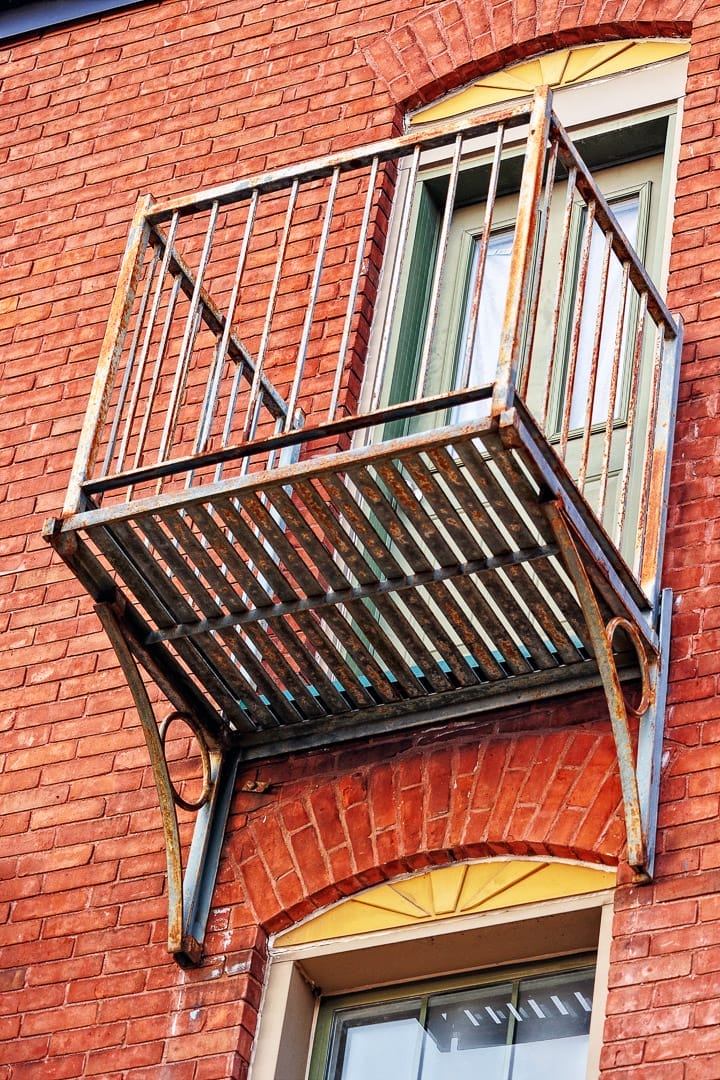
pixel 449 44
pixel 339 826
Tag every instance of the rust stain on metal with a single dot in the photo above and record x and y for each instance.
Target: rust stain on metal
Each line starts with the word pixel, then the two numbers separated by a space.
pixel 295 586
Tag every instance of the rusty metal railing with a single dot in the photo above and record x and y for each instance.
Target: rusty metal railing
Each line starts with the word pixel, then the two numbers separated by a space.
pixel 283 314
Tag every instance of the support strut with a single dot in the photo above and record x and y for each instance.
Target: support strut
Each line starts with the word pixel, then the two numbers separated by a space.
pixel 639 771
pixel 189 897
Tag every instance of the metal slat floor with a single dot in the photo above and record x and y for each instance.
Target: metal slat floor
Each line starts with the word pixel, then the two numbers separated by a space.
pixel 364 590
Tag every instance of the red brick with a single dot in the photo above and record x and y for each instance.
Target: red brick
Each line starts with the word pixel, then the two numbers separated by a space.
pixel 70 1016
pixel 97 111
pixel 703 1067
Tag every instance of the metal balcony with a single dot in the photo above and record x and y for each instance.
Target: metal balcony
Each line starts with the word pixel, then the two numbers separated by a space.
pixel 296 552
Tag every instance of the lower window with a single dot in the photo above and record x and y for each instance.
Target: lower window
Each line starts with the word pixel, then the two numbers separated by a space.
pixel 492 969
pixel 526 1025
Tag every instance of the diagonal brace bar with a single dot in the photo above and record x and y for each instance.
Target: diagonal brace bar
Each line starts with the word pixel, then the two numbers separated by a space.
pixel 650 737
pixel 639 774
pixel 189 899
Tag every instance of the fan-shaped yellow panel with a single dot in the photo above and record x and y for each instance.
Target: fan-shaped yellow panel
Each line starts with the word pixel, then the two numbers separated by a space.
pixel 563 68
pixel 451 891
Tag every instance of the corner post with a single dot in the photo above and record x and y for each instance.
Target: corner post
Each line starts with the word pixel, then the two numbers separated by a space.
pixel 110 352
pixel 523 253
pixel 650 735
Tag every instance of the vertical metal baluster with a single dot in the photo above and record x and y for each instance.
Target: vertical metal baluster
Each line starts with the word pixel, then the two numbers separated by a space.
pixel 255 398
pixel 632 409
pixel 484 241
pixel 157 369
pixel 613 392
pixel 192 325
pixel 255 420
pixel 140 371
pixel 557 306
pixel 644 501
pixel 439 267
pixel 312 301
pixel 130 363
pixel 576 324
pixel 529 344
pixel 240 369
pixel 401 246
pixel 229 415
pixel 354 285
pixel 213 386
pixel 275 454
pixel 594 363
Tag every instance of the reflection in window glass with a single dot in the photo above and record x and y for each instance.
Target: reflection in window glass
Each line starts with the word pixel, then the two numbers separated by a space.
pixel 468 1034
pixel 486 344
pixel 626 212
pixel 551 1038
pixel 535 1028
pixel 380 1043
pixel 483 360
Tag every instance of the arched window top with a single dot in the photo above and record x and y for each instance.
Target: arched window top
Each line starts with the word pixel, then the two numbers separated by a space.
pixel 563 68
pixel 462 889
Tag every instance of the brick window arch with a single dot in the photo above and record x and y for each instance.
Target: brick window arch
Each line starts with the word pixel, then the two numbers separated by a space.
pixel 441 49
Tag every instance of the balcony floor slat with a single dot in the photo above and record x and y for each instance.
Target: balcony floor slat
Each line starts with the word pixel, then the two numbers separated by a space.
pixel 117 545
pixel 253 597
pixel 389 566
pixel 535 629
pixel 235 602
pixel 505 648
pixel 508 494
pixel 343 543
pixel 453 517
pixel 265 645
pixel 337 645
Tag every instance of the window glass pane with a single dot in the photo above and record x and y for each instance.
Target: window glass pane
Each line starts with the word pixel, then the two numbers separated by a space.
pixel 627 213
pixel 376 1043
pixel 468 1034
pixel 552 1035
pixel 527 1029
pixel 486 346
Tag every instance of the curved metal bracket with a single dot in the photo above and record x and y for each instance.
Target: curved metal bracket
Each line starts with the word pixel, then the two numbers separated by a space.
pixel 189 898
pixel 639 773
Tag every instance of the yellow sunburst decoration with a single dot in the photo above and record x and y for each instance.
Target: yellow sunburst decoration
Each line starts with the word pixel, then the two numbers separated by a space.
pixel 451 891
pixel 563 68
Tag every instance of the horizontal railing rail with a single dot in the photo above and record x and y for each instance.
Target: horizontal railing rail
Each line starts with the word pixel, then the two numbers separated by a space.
pixel 285 313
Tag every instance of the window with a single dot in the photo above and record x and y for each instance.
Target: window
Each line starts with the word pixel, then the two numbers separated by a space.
pixel 630 164
pixel 631 181
pixel 520 1026
pixel 409 960
pixel 588 348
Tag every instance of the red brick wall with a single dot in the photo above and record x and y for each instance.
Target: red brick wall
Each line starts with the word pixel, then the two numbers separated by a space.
pixel 169 97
